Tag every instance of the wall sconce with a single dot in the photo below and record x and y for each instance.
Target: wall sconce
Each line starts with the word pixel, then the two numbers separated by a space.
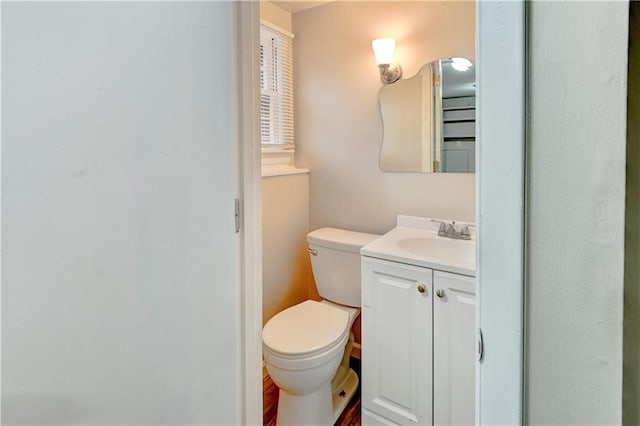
pixel 383 48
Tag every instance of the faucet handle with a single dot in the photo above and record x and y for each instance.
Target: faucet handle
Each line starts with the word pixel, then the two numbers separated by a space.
pixel 465 230
pixel 443 224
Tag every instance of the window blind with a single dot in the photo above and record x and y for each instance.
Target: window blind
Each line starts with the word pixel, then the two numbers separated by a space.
pixel 276 89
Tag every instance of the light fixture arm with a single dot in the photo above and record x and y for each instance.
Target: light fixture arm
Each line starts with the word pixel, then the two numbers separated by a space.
pixel 390 73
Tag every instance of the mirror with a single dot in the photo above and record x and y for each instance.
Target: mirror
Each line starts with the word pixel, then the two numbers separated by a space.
pixel 429 119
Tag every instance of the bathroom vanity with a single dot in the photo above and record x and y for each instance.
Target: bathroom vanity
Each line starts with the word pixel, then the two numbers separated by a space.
pixel 418 326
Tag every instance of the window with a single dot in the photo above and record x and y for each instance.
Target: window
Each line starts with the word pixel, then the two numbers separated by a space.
pixel 276 89
pixel 276 100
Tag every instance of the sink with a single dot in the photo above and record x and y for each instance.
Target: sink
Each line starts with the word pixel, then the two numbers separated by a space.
pixel 439 248
pixel 415 241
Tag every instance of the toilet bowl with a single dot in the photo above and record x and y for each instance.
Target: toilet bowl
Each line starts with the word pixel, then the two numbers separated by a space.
pixel 303 347
pixel 306 347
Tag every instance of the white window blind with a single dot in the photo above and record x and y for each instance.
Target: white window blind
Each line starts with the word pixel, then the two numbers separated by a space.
pixel 276 89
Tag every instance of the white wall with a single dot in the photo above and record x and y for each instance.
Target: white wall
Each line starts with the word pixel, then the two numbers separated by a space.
pixel 338 124
pixel 119 295
pixel 286 268
pixel 275 15
pixel 576 162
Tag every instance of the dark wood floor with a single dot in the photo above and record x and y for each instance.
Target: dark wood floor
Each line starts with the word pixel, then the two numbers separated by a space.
pixel 349 417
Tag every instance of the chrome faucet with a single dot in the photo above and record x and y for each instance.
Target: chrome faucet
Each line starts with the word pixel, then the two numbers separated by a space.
pixel 448 230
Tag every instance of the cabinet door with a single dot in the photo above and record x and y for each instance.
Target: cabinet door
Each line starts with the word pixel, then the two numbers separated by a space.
pixel 371 419
pixel 397 341
pixel 454 349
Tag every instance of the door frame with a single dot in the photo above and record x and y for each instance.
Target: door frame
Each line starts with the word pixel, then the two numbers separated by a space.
pixel 247 107
pixel 500 168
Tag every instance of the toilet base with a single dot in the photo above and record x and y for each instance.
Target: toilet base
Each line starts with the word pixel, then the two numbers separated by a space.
pixel 312 409
pixel 343 392
pixel 322 407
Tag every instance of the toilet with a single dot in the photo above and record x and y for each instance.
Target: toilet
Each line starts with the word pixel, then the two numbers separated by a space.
pixel 306 347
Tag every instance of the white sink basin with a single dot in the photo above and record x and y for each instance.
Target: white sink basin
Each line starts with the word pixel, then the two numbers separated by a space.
pixel 439 248
pixel 415 241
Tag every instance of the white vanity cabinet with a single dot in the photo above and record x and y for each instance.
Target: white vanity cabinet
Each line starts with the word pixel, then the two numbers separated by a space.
pixel 397 314
pixel 418 340
pixel 454 344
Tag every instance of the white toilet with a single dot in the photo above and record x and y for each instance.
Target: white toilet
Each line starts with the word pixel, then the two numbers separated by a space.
pixel 306 347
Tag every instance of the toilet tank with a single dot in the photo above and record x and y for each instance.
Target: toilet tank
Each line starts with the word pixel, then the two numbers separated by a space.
pixel 335 259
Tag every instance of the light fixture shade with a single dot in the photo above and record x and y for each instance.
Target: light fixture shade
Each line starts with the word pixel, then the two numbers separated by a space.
pixel 383 49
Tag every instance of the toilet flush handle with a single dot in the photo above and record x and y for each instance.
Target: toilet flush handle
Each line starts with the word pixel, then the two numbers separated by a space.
pixel 312 251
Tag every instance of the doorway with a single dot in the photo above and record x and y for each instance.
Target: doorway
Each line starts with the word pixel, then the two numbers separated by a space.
pixel 499 400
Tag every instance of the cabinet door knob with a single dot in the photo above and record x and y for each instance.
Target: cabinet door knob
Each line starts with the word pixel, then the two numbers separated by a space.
pixel 421 288
pixel 440 293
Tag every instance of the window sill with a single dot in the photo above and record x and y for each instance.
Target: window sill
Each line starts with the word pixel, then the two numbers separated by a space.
pixel 282 171
pixel 279 162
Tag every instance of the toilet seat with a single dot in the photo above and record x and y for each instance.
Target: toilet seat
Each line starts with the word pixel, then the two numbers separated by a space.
pixel 307 329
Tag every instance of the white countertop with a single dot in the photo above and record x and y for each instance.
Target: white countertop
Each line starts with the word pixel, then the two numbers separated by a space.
pixel 415 241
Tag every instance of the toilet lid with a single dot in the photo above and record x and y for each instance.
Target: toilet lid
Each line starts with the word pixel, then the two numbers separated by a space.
pixel 307 327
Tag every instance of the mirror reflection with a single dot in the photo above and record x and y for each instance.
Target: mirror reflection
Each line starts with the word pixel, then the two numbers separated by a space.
pixel 429 119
